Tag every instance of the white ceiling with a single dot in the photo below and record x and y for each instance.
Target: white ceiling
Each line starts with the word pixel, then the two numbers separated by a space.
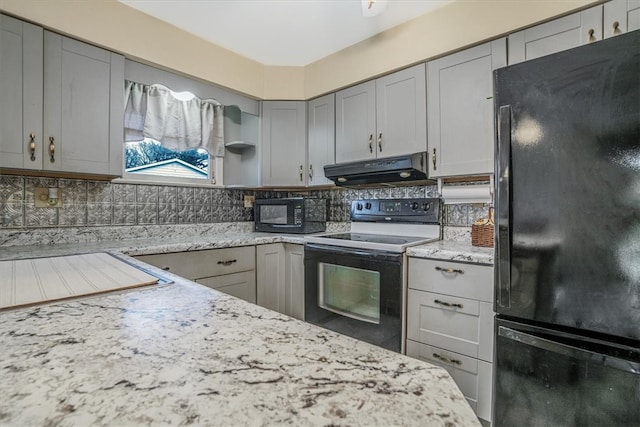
pixel 282 32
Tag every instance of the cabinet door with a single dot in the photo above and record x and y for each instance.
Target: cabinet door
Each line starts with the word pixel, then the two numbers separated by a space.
pixel 321 141
pixel 356 122
pixel 460 109
pixel 240 285
pixel 83 107
pixel 560 34
pixel 401 112
pixel 270 277
pixel 294 280
pixel 20 94
pixel 284 140
pixel 621 16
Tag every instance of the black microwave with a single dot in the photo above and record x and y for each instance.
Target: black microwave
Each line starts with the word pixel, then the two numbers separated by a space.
pixel 292 215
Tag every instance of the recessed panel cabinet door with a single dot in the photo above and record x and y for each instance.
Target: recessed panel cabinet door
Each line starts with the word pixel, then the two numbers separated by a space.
pixel 620 16
pixel 401 113
pixel 83 106
pixel 321 138
pixel 356 122
pixel 554 36
pixel 20 94
pixel 460 110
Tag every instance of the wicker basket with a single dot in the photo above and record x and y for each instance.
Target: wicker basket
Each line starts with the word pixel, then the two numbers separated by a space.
pixel 482 231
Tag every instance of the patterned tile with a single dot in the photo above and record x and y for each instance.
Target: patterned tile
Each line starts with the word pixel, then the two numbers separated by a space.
pixel 124 214
pixel 72 214
pixel 220 213
pixel 247 214
pixel 147 213
pixel 477 212
pixel 167 213
pixel 186 214
pixel 74 191
pixel 31 183
pixel 217 197
pixel 99 192
pixel 40 217
pixel 11 189
pixel 457 214
pixel 432 191
pixel 168 195
pixel 11 214
pixel 415 191
pixel 124 193
pixel 186 196
pixel 202 196
pixel 203 214
pixel 99 213
pixel 236 213
pixel 146 194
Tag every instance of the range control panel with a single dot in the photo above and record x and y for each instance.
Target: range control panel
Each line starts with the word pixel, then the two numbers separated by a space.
pixel 421 210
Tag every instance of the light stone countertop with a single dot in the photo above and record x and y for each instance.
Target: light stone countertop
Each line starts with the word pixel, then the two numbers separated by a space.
pixel 182 354
pixel 449 250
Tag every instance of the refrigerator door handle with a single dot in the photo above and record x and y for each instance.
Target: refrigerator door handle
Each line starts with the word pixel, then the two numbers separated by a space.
pixel 570 351
pixel 503 241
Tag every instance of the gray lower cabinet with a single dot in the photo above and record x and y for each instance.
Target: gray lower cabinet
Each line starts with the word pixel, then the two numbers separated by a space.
pixel 280 278
pixel 587 26
pixel 229 270
pixel 321 150
pixel 67 94
pixel 383 117
pixel 284 142
pixel 450 324
pixel 460 110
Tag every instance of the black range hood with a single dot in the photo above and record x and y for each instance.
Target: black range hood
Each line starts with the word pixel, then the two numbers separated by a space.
pixel 412 167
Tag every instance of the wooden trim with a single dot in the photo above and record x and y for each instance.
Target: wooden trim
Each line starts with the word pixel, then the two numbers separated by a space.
pixel 54 174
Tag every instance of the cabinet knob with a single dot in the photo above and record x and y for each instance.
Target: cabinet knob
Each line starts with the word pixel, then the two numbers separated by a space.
pixel 166 268
pixel 592 37
pixel 616 28
pixel 380 142
pixel 370 143
pixel 311 172
pixel 32 146
pixel 52 150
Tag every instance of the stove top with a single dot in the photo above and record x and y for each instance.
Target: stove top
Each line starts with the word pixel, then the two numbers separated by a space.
pixel 387 224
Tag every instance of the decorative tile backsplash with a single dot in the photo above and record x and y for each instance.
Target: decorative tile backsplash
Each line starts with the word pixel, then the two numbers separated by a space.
pixel 99 203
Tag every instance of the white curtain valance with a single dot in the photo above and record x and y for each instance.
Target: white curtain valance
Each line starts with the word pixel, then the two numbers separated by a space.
pixel 152 111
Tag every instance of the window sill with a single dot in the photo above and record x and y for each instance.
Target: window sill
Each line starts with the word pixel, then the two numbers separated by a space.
pixel 167 182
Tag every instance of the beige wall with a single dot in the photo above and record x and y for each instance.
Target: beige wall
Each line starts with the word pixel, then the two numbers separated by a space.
pixel 115 26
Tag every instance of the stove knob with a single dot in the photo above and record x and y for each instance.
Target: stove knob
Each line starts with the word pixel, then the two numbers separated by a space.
pixel 367 205
pixel 426 206
pixel 415 206
pixel 359 206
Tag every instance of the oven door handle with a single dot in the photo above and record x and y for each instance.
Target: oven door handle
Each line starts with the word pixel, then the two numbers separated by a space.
pixel 338 250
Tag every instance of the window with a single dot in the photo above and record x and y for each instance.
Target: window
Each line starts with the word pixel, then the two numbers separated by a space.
pixel 172 137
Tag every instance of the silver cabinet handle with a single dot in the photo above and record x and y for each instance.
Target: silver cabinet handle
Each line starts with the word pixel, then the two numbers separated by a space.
pixel 449 270
pixel 447 360
pixel 433 159
pixel 380 142
pixel 370 143
pixel 166 268
pixel 503 243
pixel 301 172
pixel 311 172
pixel 447 304
pixel 228 262
pixel 52 150
pixel 32 146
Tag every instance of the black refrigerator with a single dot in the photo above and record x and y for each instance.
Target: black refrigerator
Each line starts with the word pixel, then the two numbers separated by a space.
pixel 567 330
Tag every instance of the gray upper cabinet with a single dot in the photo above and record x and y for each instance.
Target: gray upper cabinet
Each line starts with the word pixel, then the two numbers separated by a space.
pixel 620 16
pixel 284 141
pixel 21 47
pixel 460 110
pixel 67 94
pixel 321 138
pixel 383 117
pixel 590 25
pixel 83 107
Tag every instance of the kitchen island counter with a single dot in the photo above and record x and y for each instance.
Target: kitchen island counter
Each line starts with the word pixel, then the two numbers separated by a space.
pixel 185 354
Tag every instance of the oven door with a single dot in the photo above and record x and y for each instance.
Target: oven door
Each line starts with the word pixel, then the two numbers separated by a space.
pixel 355 292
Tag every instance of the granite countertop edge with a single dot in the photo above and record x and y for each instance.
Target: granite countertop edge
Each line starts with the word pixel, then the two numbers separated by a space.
pixel 452 250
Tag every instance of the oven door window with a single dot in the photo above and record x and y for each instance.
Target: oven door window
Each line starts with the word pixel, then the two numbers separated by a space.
pixel 351 292
pixel 273 214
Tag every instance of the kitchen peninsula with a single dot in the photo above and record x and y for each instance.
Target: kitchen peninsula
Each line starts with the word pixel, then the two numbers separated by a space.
pixel 185 354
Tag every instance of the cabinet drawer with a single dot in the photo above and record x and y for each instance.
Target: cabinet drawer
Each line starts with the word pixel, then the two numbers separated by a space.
pixel 212 262
pixel 457 324
pixel 241 285
pixel 452 278
pixel 472 376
